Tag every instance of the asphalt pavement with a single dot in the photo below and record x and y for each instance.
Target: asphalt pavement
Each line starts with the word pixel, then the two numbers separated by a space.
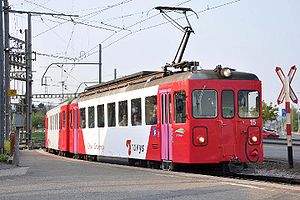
pixel 52 177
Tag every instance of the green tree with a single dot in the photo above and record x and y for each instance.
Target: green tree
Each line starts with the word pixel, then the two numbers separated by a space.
pixel 294 116
pixel 269 112
pixel 37 120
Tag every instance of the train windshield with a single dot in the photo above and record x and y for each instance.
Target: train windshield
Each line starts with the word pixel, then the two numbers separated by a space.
pixel 248 104
pixel 204 103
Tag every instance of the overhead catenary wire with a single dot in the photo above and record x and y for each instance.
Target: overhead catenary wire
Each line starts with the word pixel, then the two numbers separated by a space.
pixel 88 54
pixel 82 22
pixel 41 6
pixel 58 57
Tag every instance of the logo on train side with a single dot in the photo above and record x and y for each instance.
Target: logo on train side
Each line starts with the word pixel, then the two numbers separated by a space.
pixel 180 132
pixel 139 148
pixel 154 133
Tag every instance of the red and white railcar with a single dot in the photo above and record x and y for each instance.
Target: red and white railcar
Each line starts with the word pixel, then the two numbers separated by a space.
pixel 191 117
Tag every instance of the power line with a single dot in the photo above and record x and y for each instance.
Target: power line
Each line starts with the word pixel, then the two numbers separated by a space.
pixel 86 24
pixel 87 54
pixel 104 9
pixel 41 6
pixel 167 22
pixel 58 57
pixel 71 36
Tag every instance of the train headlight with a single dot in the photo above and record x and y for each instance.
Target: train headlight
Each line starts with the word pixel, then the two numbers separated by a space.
pixel 254 139
pixel 201 140
pixel 226 72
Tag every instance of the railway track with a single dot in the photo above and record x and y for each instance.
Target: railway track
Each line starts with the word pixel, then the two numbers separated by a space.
pixel 212 170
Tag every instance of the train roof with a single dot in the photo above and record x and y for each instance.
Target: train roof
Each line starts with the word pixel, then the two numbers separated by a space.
pixel 151 78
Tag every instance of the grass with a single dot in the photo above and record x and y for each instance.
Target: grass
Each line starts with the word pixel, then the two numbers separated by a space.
pixel 4 157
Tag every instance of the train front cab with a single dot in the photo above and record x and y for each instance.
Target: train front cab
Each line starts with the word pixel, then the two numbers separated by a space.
pixel 210 121
pixel 225 121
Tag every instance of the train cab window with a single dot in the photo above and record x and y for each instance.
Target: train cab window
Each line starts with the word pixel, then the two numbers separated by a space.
pixel 227 104
pixel 204 103
pixel 111 114
pixel 64 119
pixel 100 115
pixel 91 117
pixel 136 112
pixel 70 120
pixel 180 107
pixel 248 104
pixel 151 110
pixel 123 113
pixel 82 118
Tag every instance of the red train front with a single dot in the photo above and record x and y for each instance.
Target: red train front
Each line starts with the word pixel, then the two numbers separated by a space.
pixel 204 116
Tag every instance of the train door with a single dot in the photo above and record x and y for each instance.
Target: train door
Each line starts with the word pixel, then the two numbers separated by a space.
pixel 166 126
pixel 227 123
pixel 75 130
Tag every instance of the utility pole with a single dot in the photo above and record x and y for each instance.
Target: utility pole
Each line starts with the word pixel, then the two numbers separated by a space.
pixel 100 63
pixel 28 51
pixel 7 69
pixel 1 82
pixel 28 55
pixel 115 73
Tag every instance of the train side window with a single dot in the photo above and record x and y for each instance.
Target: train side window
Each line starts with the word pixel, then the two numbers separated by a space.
pixel 91 117
pixel 123 113
pixel 204 103
pixel 180 107
pixel 100 115
pixel 64 119
pixel 60 121
pixel 136 112
pixel 227 104
pixel 248 103
pixel 111 114
pixel 56 122
pixel 82 118
pixel 70 119
pixel 151 110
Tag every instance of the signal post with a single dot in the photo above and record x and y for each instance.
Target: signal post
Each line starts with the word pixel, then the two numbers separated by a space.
pixel 287 94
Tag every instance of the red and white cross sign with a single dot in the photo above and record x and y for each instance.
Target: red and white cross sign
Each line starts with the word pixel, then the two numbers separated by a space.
pixel 283 78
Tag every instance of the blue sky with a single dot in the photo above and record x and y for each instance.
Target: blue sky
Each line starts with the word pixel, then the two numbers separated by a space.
pixel 249 35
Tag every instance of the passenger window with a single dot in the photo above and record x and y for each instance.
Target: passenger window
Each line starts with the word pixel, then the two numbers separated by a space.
pixel 248 104
pixel 180 107
pixel 123 113
pixel 58 121
pixel 136 113
pixel 111 114
pixel 91 117
pixel 204 103
pixel 227 104
pixel 151 110
pixel 70 119
pixel 82 118
pixel 100 115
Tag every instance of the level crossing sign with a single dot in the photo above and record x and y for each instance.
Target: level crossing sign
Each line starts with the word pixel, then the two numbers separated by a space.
pixel 286 94
pixel 286 84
